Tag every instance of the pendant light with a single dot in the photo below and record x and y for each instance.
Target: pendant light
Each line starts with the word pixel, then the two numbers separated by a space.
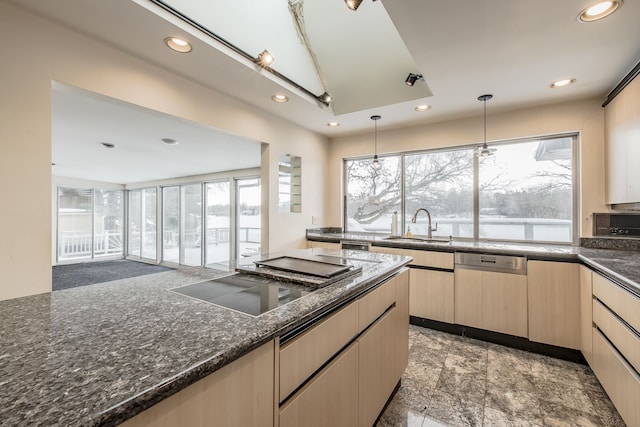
pixel 485 151
pixel 375 119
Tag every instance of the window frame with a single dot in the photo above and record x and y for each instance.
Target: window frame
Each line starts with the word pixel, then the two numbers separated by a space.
pixel 575 185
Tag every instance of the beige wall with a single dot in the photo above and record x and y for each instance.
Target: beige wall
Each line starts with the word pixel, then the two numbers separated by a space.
pixel 585 117
pixel 36 52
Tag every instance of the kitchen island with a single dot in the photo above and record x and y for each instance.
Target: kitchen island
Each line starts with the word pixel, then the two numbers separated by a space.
pixel 101 354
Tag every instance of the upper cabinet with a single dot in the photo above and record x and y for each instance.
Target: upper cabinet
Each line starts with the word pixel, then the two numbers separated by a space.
pixel 622 139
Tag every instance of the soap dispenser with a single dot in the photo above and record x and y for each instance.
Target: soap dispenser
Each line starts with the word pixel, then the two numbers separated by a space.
pixel 394 224
pixel 409 232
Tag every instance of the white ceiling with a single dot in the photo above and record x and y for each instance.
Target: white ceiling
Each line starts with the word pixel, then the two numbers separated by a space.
pixel 464 48
pixel 82 121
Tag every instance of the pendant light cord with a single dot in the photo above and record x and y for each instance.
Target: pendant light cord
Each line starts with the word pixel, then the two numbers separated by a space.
pixel 485 123
pixel 375 137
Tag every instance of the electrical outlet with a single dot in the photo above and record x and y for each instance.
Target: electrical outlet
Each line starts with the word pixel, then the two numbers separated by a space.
pixel 314 220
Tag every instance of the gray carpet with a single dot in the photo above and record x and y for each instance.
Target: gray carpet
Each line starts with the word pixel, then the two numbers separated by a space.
pixel 88 273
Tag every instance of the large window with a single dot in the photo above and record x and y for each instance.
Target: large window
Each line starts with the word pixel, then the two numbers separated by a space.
pixel 523 192
pixel 142 223
pixel 218 217
pixel 442 182
pixel 171 224
pixel 373 194
pixel 89 223
pixel 191 233
pixel 248 204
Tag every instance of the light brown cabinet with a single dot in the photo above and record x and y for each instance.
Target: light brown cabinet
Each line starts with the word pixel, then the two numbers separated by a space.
pixel 301 357
pixel 421 258
pixel 330 399
pixel 431 291
pixel 402 325
pixel 622 129
pixel 221 398
pixel 432 294
pixel 492 301
pixel 554 303
pixel 376 368
pixel 616 345
pixel 375 329
pixel 586 313
pixel 619 380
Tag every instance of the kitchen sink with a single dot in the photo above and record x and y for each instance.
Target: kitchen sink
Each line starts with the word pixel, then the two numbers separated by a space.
pixel 419 239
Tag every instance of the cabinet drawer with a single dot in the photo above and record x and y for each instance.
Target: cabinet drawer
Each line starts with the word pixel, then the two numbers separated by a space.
pixel 621 302
pixel 329 399
pixel 376 302
pixel 619 380
pixel 625 340
pixel 300 358
pixel 421 258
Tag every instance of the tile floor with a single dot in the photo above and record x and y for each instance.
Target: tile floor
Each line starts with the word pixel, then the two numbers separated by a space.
pixel 459 381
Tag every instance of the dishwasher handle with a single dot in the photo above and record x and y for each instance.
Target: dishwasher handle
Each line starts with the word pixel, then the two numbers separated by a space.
pixel 496 263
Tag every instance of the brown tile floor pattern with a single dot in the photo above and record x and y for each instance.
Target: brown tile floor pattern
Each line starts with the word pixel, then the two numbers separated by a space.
pixel 459 381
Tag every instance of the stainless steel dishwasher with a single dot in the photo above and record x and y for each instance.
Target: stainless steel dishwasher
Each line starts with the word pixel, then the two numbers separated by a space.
pixel 491 292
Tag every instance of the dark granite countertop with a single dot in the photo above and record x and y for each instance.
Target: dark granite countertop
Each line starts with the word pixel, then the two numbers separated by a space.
pixel 100 354
pixel 618 259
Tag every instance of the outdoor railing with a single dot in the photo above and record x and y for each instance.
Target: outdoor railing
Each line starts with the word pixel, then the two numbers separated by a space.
pixel 80 245
pixel 540 229
pixel 73 245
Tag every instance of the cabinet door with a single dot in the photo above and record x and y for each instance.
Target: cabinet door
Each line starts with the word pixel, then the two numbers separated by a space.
pixel 402 323
pixel 586 314
pixel 377 368
pixel 431 294
pixel 330 399
pixel 622 130
pixel 492 301
pixel 239 394
pixel 554 303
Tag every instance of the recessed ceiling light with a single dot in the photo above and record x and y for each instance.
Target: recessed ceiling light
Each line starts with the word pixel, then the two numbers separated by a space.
pixel 178 44
pixel 599 10
pixel 170 141
pixel 280 98
pixel 422 108
pixel 333 124
pixel 107 145
pixel 562 83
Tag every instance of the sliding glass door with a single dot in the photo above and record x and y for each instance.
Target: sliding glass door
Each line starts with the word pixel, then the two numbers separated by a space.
pixel 171 224
pixel 108 223
pixel 201 225
pixel 75 223
pixel 248 196
pixel 218 222
pixel 90 223
pixel 142 223
pixel 191 225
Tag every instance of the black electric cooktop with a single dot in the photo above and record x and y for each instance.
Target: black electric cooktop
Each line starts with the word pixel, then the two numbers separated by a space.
pixel 243 293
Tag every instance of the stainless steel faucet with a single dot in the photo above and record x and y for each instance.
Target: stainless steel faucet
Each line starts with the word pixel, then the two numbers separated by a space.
pixel 429 229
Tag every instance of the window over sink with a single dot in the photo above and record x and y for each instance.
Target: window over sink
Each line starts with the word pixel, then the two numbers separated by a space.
pixel 525 191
